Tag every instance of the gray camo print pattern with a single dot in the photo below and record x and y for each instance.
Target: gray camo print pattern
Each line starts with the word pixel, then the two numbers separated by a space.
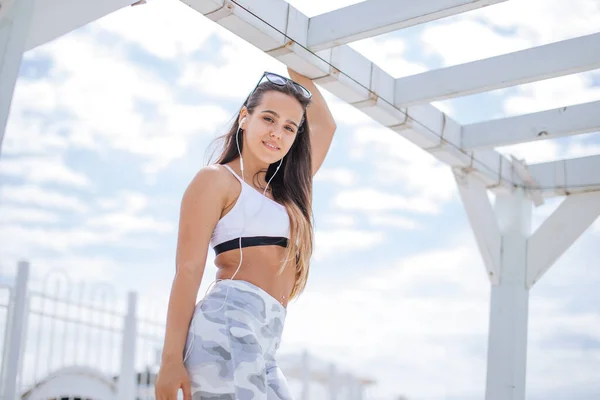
pixel 231 345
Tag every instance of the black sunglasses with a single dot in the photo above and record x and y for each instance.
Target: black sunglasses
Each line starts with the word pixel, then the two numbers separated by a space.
pixel 281 81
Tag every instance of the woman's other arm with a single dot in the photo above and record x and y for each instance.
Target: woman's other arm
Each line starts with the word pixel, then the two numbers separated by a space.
pixel 201 208
pixel 321 122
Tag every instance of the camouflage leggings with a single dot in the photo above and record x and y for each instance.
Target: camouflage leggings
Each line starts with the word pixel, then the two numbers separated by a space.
pixel 230 349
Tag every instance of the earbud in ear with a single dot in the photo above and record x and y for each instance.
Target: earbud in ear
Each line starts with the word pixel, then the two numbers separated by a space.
pixel 243 120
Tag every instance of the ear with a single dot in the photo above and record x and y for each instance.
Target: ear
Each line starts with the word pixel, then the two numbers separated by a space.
pixel 243 116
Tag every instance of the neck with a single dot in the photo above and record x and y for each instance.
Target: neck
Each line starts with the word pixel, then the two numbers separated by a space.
pixel 252 167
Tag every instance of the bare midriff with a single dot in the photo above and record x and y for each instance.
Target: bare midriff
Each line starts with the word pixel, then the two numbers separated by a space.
pixel 260 266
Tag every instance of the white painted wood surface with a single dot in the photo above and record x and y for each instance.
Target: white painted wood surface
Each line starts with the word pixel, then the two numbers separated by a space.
pixel 482 219
pixel 570 176
pixel 402 105
pixel 376 17
pixel 563 121
pixel 558 233
pixel 15 22
pixel 530 65
pixel 54 18
pixel 509 303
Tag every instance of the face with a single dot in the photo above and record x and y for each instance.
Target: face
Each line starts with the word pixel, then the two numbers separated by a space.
pixel 271 129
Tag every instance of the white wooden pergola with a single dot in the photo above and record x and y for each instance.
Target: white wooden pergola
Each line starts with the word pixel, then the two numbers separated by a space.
pixel 514 256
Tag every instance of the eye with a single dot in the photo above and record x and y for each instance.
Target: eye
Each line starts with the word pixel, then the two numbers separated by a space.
pixel 290 129
pixel 268 119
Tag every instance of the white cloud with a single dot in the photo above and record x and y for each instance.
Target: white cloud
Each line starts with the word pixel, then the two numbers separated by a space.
pixel 477 41
pixel 312 7
pixel 338 220
pixel 126 223
pixel 338 176
pixel 43 169
pixel 30 135
pixel 127 201
pixel 370 199
pixel 550 150
pixel 554 19
pixel 439 300
pixel 428 182
pixel 553 93
pixel 393 221
pixel 425 308
pixel 146 25
pixel 38 196
pixel 533 152
pixel 577 149
pixel 30 241
pixel 93 270
pixel 596 226
pixel 225 77
pixel 126 213
pixel 345 114
pixel 75 225
pixel 97 88
pixel 388 52
pixel 429 310
pixel 331 242
pixel 16 214
pixel 509 27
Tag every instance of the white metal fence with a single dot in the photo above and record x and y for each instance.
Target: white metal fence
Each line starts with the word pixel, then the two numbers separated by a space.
pixel 62 341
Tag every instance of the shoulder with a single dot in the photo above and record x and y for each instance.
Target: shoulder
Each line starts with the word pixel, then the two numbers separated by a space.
pixel 213 179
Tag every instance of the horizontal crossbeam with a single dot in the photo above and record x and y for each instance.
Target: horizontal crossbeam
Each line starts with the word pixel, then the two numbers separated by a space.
pixel 574 120
pixel 54 18
pixel 282 32
pixel 535 64
pixel 375 17
pixel 558 233
pixel 569 176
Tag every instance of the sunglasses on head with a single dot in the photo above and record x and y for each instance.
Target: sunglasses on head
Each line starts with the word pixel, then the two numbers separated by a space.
pixel 282 81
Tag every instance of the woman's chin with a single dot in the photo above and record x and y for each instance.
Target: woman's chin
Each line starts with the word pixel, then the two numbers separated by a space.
pixel 270 158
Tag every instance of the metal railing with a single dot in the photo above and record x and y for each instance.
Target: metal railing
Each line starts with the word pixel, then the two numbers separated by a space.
pixel 82 340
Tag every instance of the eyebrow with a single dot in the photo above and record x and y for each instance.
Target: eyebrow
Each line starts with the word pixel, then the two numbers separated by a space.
pixel 277 115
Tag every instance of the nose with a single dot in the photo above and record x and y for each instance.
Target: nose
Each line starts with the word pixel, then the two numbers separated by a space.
pixel 275 133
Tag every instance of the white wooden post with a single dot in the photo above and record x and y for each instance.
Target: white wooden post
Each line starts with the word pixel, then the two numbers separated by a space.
pixel 14 29
pixel 360 390
pixel 333 386
pixel 509 305
pixel 127 377
pixel 16 322
pixel 349 386
pixel 305 376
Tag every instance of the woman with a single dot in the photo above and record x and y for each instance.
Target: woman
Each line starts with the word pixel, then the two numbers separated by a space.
pixel 254 207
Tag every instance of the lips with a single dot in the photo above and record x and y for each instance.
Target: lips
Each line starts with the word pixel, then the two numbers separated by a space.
pixel 271 146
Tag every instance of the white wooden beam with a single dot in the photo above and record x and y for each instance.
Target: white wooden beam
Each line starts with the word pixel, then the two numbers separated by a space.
pixel 558 178
pixel 482 220
pixel 535 64
pixel 355 79
pixel 15 23
pixel 54 18
pixel 560 230
pixel 375 17
pixel 574 120
pixel 509 303
pixel 240 17
pixel 5 5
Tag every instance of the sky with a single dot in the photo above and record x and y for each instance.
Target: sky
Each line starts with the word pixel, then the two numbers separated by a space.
pixel 110 122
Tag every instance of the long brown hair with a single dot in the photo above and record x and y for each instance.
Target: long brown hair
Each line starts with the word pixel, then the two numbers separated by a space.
pixel 291 186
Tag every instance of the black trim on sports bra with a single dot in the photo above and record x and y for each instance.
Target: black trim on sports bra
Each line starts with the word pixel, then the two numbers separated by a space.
pixel 251 241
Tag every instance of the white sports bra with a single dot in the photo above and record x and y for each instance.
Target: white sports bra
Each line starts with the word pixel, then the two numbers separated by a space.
pixel 254 218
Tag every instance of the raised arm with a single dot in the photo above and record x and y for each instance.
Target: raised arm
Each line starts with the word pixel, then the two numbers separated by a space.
pixel 322 125
pixel 201 208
